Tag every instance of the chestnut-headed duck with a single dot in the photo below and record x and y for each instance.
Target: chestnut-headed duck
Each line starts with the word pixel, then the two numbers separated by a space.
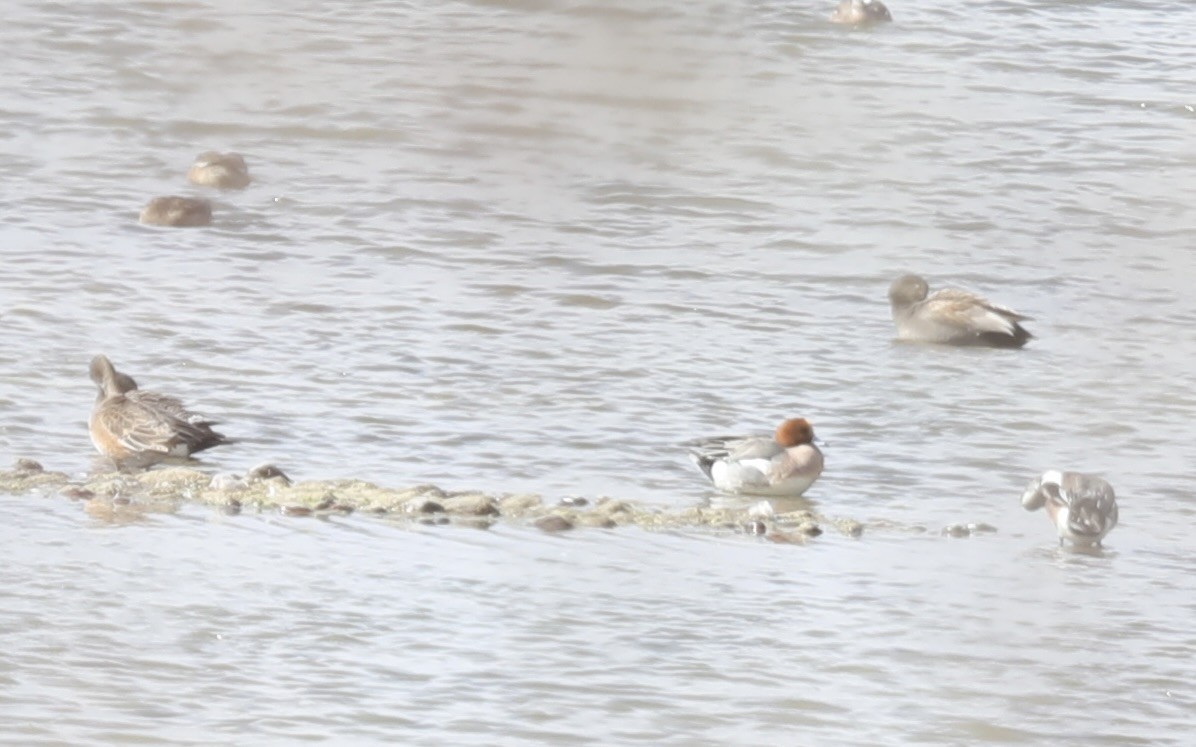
pixel 952 317
pixel 784 464
pixel 861 12
pixel 177 211
pixel 141 428
pixel 1082 507
pixel 220 170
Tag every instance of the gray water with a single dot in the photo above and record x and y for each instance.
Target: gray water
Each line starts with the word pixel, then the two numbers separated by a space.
pixel 534 246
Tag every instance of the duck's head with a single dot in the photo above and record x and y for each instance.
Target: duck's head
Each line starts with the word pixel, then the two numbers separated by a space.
pixel 861 12
pixel 908 289
pixel 103 375
pixel 794 432
pixel 1041 489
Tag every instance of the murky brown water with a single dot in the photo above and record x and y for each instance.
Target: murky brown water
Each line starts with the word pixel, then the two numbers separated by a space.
pixel 533 246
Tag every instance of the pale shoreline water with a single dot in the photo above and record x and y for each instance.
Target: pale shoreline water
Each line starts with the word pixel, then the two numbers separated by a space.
pixel 533 249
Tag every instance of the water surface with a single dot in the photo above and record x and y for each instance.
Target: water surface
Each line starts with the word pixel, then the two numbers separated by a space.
pixel 533 246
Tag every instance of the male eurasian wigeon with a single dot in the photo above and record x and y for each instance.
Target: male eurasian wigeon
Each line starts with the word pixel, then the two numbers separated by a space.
pixel 784 464
pixel 861 12
pixel 177 211
pixel 1082 507
pixel 220 170
pixel 952 317
pixel 140 428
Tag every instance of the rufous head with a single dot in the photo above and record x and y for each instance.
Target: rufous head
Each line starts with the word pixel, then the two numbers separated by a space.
pixel 794 432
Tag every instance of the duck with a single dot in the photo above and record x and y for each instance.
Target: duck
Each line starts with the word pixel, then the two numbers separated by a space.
pixel 953 317
pixel 784 464
pixel 140 428
pixel 220 170
pixel 1082 507
pixel 177 211
pixel 861 12
pixel 172 406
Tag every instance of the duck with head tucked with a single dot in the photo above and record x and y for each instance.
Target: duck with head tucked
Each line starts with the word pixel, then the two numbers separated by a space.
pixel 861 12
pixel 785 464
pixel 220 170
pixel 952 317
pixel 177 211
pixel 138 428
pixel 1082 507
pixel 172 406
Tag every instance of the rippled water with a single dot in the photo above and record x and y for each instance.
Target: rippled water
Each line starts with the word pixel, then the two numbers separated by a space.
pixel 533 246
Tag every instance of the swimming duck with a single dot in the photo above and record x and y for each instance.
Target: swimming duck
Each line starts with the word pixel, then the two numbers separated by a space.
pixel 177 211
pixel 861 13
pixel 1082 507
pixel 784 464
pixel 131 426
pixel 952 317
pixel 220 170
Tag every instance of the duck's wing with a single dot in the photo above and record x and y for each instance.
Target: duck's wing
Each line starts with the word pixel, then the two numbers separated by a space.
pixel 735 448
pixel 168 405
pixel 754 447
pixel 746 455
pixel 969 312
pixel 139 428
pixel 1087 518
pixel 1091 504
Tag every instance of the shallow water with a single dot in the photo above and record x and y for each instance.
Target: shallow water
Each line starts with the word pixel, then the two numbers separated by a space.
pixel 533 246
